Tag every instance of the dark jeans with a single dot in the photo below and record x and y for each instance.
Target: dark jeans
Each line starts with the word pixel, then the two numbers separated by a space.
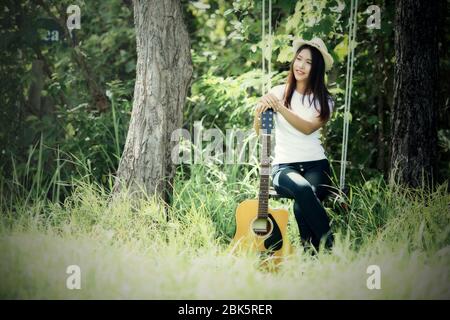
pixel 308 183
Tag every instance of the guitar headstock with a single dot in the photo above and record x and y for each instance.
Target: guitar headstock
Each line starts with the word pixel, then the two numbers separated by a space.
pixel 267 121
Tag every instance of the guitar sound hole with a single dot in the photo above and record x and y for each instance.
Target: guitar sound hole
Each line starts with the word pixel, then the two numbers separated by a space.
pixel 262 226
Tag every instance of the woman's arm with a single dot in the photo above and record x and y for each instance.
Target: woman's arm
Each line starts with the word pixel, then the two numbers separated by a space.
pixel 257 121
pixel 302 125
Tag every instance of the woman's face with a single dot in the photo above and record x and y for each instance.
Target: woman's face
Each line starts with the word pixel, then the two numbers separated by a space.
pixel 302 65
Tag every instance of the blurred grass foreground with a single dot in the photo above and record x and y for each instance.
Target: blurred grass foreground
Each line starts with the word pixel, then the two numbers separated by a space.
pixel 128 249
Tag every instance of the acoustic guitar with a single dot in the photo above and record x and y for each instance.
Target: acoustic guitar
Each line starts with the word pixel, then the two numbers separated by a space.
pixel 259 227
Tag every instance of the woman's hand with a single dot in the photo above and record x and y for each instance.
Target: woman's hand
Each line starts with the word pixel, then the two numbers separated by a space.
pixel 268 101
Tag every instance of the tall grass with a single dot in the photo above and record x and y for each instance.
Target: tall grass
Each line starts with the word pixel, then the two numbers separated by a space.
pixel 128 249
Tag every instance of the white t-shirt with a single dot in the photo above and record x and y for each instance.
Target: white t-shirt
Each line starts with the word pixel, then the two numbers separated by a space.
pixel 291 145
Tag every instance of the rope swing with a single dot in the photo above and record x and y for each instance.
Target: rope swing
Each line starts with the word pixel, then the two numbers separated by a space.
pixel 348 86
pixel 266 83
pixel 348 77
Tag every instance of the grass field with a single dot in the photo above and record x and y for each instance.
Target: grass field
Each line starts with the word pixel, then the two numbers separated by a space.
pixel 128 250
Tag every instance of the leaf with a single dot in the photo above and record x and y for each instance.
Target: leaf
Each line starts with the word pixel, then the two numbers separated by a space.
pixel 201 6
pixel 285 54
pixel 130 66
pixel 70 131
pixel 227 12
pixel 373 120
pixel 341 49
pixel 293 22
pixel 31 118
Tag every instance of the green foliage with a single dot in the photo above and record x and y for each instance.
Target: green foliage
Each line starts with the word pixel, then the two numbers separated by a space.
pixel 69 126
pixel 226 51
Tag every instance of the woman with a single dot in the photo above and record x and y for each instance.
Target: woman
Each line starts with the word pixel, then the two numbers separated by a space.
pixel 300 168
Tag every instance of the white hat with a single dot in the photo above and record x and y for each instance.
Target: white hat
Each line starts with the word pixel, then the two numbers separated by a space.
pixel 316 43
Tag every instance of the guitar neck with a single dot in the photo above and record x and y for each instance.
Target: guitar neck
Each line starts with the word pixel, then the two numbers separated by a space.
pixel 263 202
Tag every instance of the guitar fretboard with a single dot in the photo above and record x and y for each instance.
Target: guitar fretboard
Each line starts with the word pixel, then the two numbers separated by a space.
pixel 263 198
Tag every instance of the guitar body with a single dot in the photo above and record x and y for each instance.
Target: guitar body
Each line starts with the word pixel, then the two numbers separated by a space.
pixel 273 242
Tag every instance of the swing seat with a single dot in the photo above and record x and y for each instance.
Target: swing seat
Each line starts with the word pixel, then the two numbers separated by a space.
pixel 338 195
pixel 334 197
pixel 274 194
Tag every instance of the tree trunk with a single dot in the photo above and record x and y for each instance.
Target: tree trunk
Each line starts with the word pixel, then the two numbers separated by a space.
pixel 36 87
pixel 380 101
pixel 414 132
pixel 163 75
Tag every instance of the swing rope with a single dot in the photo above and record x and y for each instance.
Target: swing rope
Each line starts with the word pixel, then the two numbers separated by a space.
pixel 348 78
pixel 266 83
pixel 348 87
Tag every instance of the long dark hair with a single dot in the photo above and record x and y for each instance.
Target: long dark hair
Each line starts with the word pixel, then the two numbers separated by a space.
pixel 315 84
